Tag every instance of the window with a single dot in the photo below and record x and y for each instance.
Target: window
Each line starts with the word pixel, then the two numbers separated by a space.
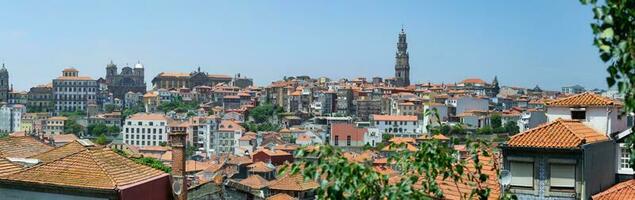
pixel 625 157
pixel 336 140
pixel 562 176
pixel 522 174
pixel 578 114
pixel 348 140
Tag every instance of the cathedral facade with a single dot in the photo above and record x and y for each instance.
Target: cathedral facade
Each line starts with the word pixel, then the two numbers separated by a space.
pixel 129 80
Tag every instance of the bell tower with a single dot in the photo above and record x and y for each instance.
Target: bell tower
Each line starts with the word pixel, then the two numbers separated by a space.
pixel 402 63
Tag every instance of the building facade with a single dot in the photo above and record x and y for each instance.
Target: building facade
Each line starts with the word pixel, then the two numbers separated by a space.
pixel 176 80
pixel 143 129
pixel 40 98
pixel 129 80
pixel 72 92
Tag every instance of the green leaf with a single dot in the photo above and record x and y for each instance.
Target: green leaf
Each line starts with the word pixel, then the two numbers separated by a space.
pixel 607 33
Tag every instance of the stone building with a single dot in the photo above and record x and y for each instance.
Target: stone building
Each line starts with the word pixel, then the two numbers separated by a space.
pixel 175 80
pixel 72 92
pixel 402 63
pixel 129 80
pixel 4 84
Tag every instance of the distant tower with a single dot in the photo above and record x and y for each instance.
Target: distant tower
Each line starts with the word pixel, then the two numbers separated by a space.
pixel 138 73
pixel 111 71
pixel 4 84
pixel 495 87
pixel 402 63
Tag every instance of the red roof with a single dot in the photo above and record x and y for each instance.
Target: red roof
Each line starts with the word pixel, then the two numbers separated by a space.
pixel 623 190
pixel 342 130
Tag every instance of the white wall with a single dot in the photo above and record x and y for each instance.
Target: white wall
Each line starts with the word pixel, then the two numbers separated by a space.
pixel 471 103
pixel 596 118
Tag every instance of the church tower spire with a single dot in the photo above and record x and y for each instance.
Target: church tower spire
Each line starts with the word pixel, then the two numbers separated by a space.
pixel 402 63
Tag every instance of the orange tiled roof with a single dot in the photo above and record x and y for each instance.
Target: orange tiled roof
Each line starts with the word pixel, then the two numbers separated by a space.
pixel 7 167
pixel 293 183
pixel 623 190
pixel 255 182
pixel 583 99
pixel 437 136
pixel 394 117
pixel 557 134
pixel 259 167
pixel 463 188
pixel 88 168
pixel 21 147
pixel 197 166
pixel 148 116
pixel 60 152
pixel 281 196
pixel 401 140
pixel 230 125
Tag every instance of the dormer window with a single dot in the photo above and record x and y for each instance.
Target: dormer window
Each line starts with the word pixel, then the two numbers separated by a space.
pixel 578 113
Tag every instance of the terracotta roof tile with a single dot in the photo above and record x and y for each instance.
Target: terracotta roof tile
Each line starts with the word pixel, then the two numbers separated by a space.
pixel 255 182
pixel 394 117
pixel 21 147
pixel 293 183
pixel 148 116
pixel 281 196
pixel 557 134
pixel 623 190
pixel 583 99
pixel 89 168
pixel 463 188
pixel 260 167
pixel 7 167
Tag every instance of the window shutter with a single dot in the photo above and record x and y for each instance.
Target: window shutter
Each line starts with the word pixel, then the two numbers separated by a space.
pixel 562 175
pixel 522 174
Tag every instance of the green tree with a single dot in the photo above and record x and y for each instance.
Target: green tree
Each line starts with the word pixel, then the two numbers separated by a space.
pixel 496 121
pixel 262 113
pixel 101 139
pixel 614 36
pixel 110 107
pixel 512 127
pixel 71 126
pixel 484 130
pixel 340 179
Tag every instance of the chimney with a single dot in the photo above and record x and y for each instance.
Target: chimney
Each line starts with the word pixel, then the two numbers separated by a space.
pixel 177 138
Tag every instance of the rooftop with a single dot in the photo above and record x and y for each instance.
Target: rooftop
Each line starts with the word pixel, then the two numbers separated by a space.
pixel 587 99
pixel 557 134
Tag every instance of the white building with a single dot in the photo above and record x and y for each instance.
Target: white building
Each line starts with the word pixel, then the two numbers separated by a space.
pixel 595 111
pixel 599 113
pixel 201 133
pixel 372 137
pixel 10 119
pixel 397 125
pixel 467 103
pixel 227 136
pixel 143 129
pixel 531 118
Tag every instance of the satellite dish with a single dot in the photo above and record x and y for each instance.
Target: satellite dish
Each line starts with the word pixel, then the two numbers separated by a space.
pixel 505 177
pixel 177 184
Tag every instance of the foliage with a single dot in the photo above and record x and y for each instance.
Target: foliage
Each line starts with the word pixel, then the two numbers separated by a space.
pixel 110 107
pixel 500 130
pixel 163 144
pixel 154 163
pixel 101 139
pixel 340 179
pixel 484 130
pixel 99 129
pixel 151 162
pixel 512 127
pixel 132 110
pixel 614 30
pixel 177 105
pixel 263 113
pixel 255 127
pixel 190 150
pixel 496 121
pixel 74 115
pixel 71 126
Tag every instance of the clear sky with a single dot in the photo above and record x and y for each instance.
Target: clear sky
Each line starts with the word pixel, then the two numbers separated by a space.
pixel 525 43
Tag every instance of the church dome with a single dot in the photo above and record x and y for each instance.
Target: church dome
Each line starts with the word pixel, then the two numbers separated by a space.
pixel 138 65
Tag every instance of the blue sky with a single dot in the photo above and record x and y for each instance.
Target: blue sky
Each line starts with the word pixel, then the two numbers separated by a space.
pixel 525 43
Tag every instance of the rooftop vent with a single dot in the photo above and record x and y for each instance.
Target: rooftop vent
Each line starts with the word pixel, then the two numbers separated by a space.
pixel 86 142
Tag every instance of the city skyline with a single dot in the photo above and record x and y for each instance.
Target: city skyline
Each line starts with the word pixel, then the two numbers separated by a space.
pixel 552 46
